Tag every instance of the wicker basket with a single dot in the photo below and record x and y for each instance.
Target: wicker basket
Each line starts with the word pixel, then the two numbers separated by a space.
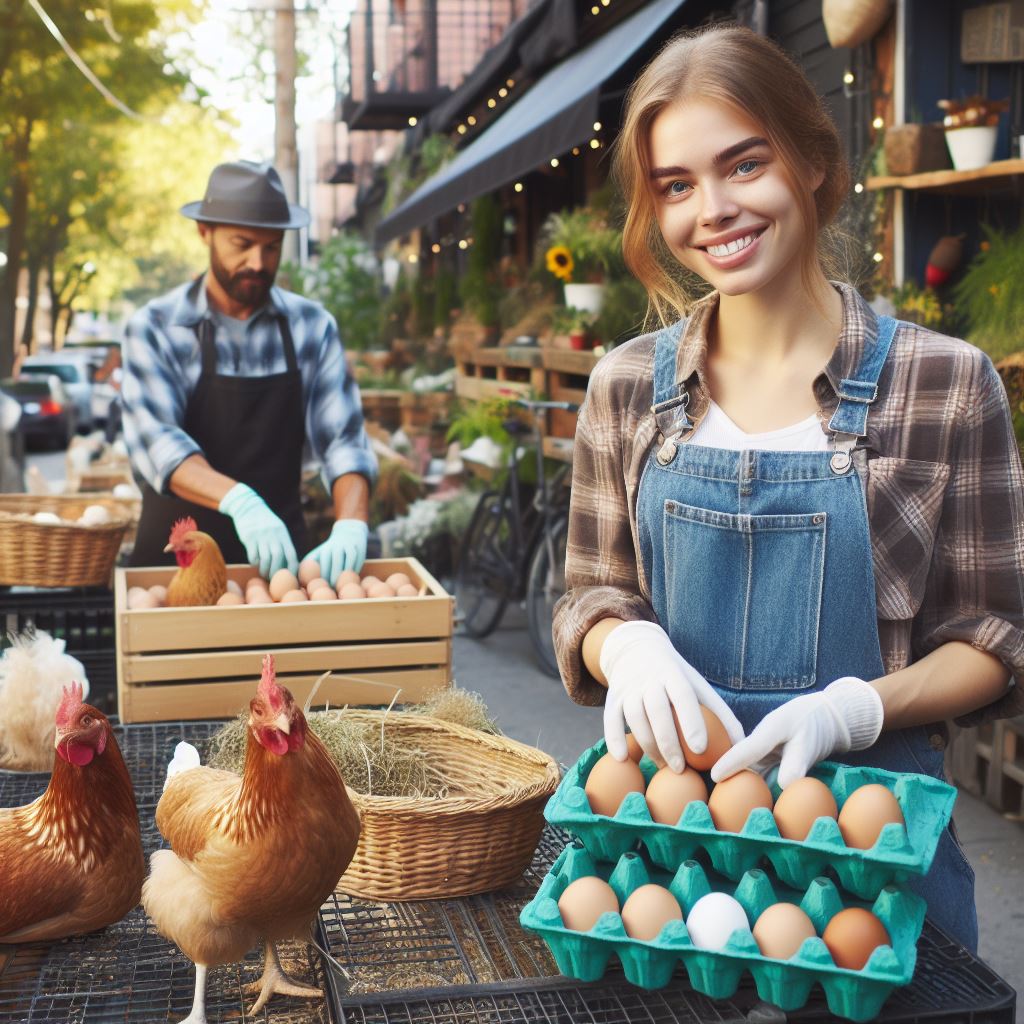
pixel 46 555
pixel 480 837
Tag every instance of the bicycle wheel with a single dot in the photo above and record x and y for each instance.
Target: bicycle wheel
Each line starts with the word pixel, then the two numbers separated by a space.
pixel 482 575
pixel 545 585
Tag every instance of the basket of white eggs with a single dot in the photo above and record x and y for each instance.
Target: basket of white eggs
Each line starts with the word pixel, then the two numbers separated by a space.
pixel 60 540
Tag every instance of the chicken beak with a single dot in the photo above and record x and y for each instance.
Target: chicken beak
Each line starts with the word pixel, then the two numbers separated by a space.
pixel 282 724
pixel 168 549
pixel 58 736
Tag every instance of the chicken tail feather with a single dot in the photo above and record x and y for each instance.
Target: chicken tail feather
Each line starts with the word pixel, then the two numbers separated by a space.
pixel 185 756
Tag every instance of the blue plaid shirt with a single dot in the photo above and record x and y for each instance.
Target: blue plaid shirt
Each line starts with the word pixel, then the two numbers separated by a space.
pixel 162 365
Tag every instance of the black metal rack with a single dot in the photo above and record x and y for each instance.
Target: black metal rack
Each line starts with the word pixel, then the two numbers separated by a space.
pixel 454 961
pixel 81 616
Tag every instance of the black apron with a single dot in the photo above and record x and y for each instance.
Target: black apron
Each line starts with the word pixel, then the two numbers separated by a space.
pixel 249 428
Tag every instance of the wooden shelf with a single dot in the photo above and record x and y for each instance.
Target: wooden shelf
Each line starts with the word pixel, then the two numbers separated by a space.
pixel 1003 176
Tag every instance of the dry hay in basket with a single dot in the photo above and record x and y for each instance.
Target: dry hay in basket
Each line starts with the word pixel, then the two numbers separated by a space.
pixel 373 760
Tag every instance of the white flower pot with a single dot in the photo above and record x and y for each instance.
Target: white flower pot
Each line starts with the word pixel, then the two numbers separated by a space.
pixel 972 148
pixel 585 297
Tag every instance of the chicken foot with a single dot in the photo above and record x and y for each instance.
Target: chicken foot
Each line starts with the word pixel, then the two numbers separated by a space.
pixel 276 982
pixel 198 1014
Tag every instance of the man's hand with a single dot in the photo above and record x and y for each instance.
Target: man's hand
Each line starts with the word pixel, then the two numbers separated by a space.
pixel 647 678
pixel 846 715
pixel 344 549
pixel 266 540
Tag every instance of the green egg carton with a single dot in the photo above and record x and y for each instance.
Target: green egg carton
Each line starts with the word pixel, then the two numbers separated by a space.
pixel 854 995
pixel 901 852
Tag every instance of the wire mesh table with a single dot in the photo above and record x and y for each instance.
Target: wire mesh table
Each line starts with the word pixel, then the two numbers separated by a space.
pixel 447 961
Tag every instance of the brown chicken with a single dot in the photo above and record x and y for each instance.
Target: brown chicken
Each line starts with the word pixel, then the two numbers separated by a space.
pixel 202 576
pixel 254 857
pixel 72 861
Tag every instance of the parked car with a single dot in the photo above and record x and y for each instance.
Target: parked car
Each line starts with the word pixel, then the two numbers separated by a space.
pixel 76 373
pixel 12 456
pixel 47 410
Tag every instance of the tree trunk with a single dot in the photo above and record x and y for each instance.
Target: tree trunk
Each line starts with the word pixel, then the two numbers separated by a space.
pixel 32 265
pixel 15 242
pixel 285 149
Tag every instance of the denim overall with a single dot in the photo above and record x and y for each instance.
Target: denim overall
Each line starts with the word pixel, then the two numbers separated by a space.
pixel 760 569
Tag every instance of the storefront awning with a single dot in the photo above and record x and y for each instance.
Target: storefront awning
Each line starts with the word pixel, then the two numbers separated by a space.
pixel 555 114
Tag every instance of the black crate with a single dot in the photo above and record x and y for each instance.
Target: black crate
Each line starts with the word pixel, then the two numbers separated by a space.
pixel 81 616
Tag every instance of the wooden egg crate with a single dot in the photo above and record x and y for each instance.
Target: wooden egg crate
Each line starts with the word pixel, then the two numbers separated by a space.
pixel 192 663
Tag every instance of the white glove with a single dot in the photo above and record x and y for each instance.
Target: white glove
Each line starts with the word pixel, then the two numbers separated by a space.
pixel 647 678
pixel 846 715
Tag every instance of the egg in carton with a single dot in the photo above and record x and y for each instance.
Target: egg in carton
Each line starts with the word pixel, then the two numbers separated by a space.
pixel 716 972
pixel 900 852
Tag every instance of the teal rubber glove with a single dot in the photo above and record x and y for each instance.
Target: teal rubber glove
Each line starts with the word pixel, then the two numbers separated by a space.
pixel 266 540
pixel 344 549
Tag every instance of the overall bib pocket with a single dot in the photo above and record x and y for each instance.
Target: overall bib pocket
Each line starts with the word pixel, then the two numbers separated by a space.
pixel 744 594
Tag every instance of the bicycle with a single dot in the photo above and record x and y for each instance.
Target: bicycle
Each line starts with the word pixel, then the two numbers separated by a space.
pixel 515 545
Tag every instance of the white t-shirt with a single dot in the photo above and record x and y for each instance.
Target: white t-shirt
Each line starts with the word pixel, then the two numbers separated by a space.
pixel 716 430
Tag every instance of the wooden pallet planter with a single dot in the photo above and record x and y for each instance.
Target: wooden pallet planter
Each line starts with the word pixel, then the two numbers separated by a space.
pixel 988 761
pixel 567 376
pixel 420 410
pixel 188 663
pixel 382 406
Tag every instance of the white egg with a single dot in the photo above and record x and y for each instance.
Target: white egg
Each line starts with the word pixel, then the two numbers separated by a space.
pixel 142 599
pixel 713 919
pixel 125 491
pixel 94 515
pixel 47 517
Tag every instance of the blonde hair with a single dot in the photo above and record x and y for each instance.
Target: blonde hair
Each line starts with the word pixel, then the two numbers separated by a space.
pixel 752 75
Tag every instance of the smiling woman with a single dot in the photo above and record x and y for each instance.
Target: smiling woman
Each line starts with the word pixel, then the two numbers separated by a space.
pixel 785 510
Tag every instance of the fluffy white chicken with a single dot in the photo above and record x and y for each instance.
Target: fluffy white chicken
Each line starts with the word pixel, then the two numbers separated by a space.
pixel 33 674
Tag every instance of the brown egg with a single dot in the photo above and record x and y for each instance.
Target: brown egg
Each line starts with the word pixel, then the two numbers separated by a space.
pixel 800 804
pixel 316 584
pixel 309 570
pixel 281 583
pixel 381 590
pixel 718 741
pixel 351 592
pixel 140 599
pixel 733 799
pixel 610 781
pixel 370 580
pixel 294 596
pixel 323 594
pixel 584 901
pixel 257 595
pixel 866 810
pixel 853 935
pixel 397 579
pixel 159 592
pixel 647 910
pixel 781 930
pixel 257 582
pixel 235 588
pixel 668 793
pixel 407 590
pixel 633 749
pixel 348 576
pixel 229 598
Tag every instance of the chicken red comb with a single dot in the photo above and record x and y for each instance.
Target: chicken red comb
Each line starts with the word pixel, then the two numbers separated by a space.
pixel 69 704
pixel 180 528
pixel 268 688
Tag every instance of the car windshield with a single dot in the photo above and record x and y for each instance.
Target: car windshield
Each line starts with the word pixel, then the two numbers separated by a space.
pixel 68 372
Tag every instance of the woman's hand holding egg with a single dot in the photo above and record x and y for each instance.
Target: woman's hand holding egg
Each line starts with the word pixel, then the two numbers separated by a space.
pixel 846 715
pixel 651 687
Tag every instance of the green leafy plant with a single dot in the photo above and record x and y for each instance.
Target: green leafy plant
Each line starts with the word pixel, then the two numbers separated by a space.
pixel 990 295
pixel 396 310
pixel 445 297
pixel 623 312
pixel 569 320
pixel 923 306
pixel 480 419
pixel 345 280
pixel 481 288
pixel 580 245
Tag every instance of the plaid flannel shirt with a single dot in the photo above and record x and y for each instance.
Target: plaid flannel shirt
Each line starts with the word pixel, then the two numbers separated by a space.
pixel 162 365
pixel 945 496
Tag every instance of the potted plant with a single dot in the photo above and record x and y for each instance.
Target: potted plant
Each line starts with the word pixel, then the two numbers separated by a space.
pixel 581 250
pixel 971 126
pixel 573 322
pixel 990 295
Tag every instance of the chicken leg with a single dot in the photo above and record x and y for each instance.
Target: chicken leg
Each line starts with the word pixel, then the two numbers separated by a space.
pixel 276 982
pixel 198 1014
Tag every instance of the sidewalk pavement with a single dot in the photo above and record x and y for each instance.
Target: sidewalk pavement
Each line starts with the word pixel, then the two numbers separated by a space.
pixel 533 708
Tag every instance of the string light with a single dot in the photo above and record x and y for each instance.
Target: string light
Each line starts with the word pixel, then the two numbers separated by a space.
pixel 878 257
pixel 597 126
pixel 510 82
pixel 848 78
pixel 595 10
pixel 461 129
pixel 462 207
pixel 413 258
pixel 503 92
pixel 575 150
pixel 518 186
pixel 858 188
pixel 878 124
pixel 554 161
pixel 412 122
pixel 435 248
pixel 492 103
pixel 595 143
pixel 471 120
pixel 463 244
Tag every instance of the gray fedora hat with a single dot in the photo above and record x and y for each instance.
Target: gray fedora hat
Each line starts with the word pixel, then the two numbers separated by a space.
pixel 248 194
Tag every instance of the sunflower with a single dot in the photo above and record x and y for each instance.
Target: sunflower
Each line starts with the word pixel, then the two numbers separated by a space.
pixel 559 262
